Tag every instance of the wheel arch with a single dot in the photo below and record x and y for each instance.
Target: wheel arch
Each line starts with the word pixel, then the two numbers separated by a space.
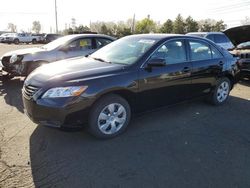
pixel 127 94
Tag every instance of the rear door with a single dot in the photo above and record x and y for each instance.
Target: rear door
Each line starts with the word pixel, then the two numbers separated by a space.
pixel 207 62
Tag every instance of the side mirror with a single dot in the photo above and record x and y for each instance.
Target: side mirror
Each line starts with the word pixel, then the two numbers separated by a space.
pixel 156 62
pixel 65 49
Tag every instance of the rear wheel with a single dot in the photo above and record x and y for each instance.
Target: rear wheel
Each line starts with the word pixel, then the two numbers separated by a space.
pixel 34 41
pixel 221 93
pixel 109 117
pixel 16 41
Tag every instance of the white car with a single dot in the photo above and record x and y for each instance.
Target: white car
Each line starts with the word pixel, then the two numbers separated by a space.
pixel 217 37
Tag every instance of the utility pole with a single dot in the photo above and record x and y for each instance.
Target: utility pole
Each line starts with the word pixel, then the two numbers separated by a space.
pixel 56 17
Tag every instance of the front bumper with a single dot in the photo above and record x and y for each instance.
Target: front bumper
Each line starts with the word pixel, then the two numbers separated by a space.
pixel 58 113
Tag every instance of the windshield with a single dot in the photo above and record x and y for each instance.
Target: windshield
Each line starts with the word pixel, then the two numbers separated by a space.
pixel 124 51
pixel 56 43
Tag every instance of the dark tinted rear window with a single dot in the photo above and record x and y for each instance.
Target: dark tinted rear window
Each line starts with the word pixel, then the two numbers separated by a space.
pixel 220 39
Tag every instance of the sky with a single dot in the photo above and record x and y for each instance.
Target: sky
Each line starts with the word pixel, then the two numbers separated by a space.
pixel 23 12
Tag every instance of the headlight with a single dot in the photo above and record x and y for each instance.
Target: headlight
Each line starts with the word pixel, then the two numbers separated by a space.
pixel 13 58
pixel 70 91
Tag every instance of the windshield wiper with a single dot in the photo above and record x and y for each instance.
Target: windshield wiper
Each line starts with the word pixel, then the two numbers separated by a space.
pixel 100 59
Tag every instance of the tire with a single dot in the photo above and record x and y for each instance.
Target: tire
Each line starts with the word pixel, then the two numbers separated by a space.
pixel 16 41
pixel 104 117
pixel 221 92
pixel 34 41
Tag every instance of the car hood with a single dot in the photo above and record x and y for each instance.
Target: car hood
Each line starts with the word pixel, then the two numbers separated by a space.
pixel 71 70
pixel 238 34
pixel 24 51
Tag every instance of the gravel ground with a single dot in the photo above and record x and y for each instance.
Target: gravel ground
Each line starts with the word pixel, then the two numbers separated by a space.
pixel 188 145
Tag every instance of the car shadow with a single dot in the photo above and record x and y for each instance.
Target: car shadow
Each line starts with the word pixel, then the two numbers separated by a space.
pixel 11 89
pixel 245 82
pixel 187 145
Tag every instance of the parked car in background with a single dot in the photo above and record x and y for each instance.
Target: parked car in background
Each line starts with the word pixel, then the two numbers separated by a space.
pixel 50 37
pixel 17 38
pixel 22 62
pixel 4 38
pixel 217 37
pixel 240 36
pixel 133 74
pixel 40 37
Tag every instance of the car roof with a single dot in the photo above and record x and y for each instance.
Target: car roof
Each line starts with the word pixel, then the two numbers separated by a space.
pixel 205 33
pixel 166 36
pixel 75 36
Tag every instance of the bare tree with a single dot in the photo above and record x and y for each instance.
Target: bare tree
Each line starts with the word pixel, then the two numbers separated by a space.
pixel 36 27
pixel 12 27
pixel 246 21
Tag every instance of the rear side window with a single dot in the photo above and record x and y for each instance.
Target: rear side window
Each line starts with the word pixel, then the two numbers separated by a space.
pixel 215 53
pixel 220 39
pixel 199 51
pixel 100 42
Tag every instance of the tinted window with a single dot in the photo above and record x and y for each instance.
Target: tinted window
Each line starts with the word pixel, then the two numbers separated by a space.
pixel 199 51
pixel 100 42
pixel 215 53
pixel 80 44
pixel 220 39
pixel 172 51
pixel 210 37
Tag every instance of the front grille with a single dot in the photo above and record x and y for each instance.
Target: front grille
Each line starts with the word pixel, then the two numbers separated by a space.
pixel 29 91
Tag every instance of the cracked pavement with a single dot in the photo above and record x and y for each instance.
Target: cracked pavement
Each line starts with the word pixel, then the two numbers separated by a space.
pixel 187 145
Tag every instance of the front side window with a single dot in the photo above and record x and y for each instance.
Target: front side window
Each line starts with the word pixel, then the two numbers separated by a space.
pixel 80 44
pixel 199 51
pixel 173 52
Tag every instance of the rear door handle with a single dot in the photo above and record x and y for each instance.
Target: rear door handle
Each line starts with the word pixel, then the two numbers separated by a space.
pixel 186 69
pixel 221 63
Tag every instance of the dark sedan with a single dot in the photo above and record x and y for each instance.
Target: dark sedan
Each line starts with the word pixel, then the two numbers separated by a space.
pixel 23 62
pixel 133 74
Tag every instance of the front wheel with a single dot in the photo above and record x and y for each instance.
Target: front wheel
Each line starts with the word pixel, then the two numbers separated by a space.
pixel 109 117
pixel 221 93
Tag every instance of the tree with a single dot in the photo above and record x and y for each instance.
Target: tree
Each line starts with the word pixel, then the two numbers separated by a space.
pixel 209 25
pixel 12 27
pixel 167 27
pixel 36 27
pixel 219 26
pixel 191 25
pixel 246 21
pixel 179 25
pixel 145 26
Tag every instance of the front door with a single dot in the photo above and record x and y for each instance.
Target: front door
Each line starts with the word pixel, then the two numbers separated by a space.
pixel 76 48
pixel 164 85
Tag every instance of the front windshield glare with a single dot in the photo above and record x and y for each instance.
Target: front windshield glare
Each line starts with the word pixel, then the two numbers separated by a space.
pixel 124 51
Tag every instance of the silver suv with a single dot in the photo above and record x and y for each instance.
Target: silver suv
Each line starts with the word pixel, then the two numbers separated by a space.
pixel 217 37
